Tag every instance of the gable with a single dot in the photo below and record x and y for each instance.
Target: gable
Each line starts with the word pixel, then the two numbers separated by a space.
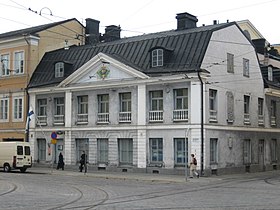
pixel 102 68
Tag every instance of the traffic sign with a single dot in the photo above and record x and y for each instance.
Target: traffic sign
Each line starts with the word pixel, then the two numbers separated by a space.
pixel 54 135
pixel 53 141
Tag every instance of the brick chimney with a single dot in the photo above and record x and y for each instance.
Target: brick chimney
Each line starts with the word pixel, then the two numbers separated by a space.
pixel 186 21
pixel 92 31
pixel 112 33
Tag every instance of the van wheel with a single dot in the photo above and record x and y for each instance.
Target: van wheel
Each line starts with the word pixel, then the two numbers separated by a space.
pixel 22 170
pixel 7 168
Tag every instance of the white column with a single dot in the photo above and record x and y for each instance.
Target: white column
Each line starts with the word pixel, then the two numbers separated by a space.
pixel 68 109
pixel 68 150
pixel 141 131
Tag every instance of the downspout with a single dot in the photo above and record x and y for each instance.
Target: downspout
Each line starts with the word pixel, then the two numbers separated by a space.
pixel 201 125
pixel 27 118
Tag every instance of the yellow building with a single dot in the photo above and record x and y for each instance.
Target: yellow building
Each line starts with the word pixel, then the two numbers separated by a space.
pixel 20 53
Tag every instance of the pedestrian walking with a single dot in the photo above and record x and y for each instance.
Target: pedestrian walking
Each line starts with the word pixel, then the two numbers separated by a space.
pixel 60 163
pixel 193 165
pixel 83 162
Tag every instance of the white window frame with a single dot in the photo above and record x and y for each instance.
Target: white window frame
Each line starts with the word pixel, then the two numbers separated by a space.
pixel 5 64
pixel 213 109
pixel 180 153
pixel 125 107
pixel 156 106
pixel 19 62
pixel 260 111
pixel 157 57
pixel 59 69
pixel 213 150
pixel 4 109
pixel 246 109
pixel 273 112
pixel 102 150
pixel 18 108
pixel 125 150
pixel 156 150
pixel 82 106
pixel 246 67
pixel 230 63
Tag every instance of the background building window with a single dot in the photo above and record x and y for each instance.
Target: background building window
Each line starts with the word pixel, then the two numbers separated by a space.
pixel 213 104
pixel 5 65
pixel 246 67
pixel 230 63
pixel 19 63
pixel 18 108
pixel 4 107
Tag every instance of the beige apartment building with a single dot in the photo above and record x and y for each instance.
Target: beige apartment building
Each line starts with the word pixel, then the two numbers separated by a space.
pixel 20 53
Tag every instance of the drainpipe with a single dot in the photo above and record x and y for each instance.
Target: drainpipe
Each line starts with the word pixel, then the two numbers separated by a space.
pixel 27 111
pixel 201 125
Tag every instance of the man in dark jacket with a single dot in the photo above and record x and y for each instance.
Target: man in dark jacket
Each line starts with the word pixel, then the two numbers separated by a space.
pixel 83 162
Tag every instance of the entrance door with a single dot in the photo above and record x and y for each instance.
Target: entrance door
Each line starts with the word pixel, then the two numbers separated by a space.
pixel 261 155
pixel 81 145
pixel 41 150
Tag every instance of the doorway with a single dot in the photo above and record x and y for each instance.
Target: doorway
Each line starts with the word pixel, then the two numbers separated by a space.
pixel 261 155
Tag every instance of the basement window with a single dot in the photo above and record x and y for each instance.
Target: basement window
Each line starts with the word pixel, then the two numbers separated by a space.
pixel 59 69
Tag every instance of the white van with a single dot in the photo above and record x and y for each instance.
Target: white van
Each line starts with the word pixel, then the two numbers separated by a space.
pixel 15 155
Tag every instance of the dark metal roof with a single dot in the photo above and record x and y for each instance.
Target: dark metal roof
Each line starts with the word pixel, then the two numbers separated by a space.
pixel 186 50
pixel 32 30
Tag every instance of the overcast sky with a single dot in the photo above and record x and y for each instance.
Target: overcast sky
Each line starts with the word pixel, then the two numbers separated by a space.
pixel 136 17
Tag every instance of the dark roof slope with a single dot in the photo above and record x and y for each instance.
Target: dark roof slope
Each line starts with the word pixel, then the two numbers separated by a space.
pixel 32 30
pixel 186 49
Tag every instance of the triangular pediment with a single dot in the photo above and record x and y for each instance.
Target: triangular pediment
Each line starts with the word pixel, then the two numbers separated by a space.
pixel 102 68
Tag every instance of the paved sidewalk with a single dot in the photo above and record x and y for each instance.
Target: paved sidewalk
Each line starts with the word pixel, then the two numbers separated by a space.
pixel 125 175
pixel 148 176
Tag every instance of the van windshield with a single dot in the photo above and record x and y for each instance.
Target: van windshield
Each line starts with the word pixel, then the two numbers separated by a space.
pixel 27 150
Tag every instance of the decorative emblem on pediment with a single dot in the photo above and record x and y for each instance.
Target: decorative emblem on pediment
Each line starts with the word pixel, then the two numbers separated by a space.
pixel 103 72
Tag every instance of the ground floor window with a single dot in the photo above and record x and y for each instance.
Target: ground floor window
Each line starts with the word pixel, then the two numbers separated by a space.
pixel 180 151
pixel 247 151
pixel 81 145
pixel 125 149
pixel 156 150
pixel 213 150
pixel 102 150
pixel 41 149
pixel 273 150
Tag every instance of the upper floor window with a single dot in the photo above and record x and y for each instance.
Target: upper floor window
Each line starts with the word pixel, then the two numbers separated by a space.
pixel 82 116
pixel 156 106
pixel 273 112
pixel 246 109
pixel 270 73
pixel 42 107
pixel 18 108
pixel 230 63
pixel 213 104
pixel 246 67
pixel 180 111
pixel 59 110
pixel 5 65
pixel 59 69
pixel 260 111
pixel 230 107
pixel 125 107
pixel 4 109
pixel 19 63
pixel 157 57
pixel 103 108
